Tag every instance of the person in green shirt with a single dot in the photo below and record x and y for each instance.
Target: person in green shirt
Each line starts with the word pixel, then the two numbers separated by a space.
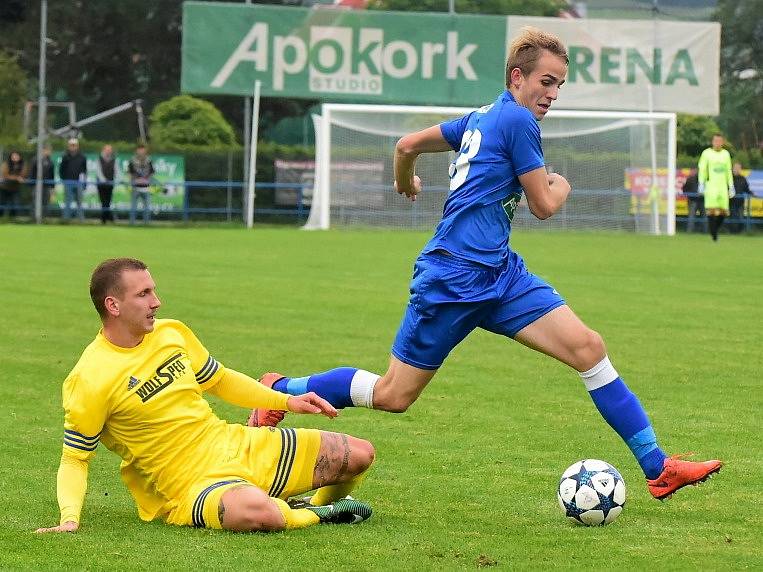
pixel 716 183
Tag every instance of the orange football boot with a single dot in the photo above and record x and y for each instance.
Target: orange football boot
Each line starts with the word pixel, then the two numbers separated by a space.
pixel 677 473
pixel 267 417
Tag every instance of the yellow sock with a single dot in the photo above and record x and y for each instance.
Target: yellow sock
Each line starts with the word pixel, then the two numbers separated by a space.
pixel 296 518
pixel 330 493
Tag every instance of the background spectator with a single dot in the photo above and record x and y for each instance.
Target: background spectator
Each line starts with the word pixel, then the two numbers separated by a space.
pixel 141 169
pixel 13 174
pixel 48 175
pixel 73 170
pixel 107 173
pixel 742 188
pixel 694 201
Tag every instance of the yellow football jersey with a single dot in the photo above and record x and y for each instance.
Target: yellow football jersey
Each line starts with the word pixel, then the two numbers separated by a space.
pixel 145 404
pixel 714 170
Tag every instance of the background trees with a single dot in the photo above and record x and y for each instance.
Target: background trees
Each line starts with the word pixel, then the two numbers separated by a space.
pixel 13 91
pixel 741 115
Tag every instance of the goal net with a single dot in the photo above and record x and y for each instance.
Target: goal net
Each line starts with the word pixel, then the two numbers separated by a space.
pixel 621 166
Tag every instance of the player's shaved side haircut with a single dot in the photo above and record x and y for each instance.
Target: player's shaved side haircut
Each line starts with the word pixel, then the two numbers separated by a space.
pixel 106 280
pixel 526 49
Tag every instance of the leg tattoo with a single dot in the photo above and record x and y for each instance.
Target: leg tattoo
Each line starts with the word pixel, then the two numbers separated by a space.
pixel 221 511
pixel 346 458
pixel 333 459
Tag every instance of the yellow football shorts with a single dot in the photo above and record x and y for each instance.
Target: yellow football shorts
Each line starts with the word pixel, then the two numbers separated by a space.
pixel 717 199
pixel 280 462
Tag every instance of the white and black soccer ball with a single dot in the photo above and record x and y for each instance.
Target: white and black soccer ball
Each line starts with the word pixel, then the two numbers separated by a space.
pixel 591 492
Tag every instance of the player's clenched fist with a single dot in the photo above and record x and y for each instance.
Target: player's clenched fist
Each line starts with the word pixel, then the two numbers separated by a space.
pixel 411 190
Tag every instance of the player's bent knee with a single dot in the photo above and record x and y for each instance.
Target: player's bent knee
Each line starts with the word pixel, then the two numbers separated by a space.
pixel 596 345
pixel 391 401
pixel 591 351
pixel 394 404
pixel 249 510
pixel 397 389
pixel 362 455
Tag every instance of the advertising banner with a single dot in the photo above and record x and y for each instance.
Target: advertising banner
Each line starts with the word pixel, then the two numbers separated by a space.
pixel 167 184
pixel 639 183
pixel 295 181
pixel 340 55
pixel 441 59
pixel 636 65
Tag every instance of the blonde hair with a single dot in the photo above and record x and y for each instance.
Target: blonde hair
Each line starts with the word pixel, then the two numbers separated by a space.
pixel 526 49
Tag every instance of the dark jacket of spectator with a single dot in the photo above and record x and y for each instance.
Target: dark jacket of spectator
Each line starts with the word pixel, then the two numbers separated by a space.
pixel 72 166
pixel 741 186
pixel 13 173
pixel 107 169
pixel 691 185
pixel 48 170
pixel 141 169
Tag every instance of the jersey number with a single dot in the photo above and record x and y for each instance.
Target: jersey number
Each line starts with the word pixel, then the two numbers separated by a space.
pixel 459 169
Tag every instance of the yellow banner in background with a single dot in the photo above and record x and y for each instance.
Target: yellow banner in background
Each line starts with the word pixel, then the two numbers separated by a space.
pixel 643 192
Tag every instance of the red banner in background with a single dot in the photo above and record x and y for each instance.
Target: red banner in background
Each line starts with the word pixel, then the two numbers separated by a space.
pixel 639 181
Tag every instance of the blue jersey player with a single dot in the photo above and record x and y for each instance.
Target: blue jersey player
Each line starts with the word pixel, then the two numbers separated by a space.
pixel 468 277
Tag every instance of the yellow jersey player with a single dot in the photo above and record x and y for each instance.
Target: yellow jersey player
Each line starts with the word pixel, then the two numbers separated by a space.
pixel 138 389
pixel 716 183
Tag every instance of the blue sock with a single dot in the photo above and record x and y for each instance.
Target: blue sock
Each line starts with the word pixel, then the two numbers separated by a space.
pixel 622 410
pixel 333 385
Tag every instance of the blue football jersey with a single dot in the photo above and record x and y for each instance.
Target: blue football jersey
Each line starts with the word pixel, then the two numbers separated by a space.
pixel 496 144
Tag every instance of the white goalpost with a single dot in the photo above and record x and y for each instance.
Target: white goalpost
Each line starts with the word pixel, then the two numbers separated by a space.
pixel 621 166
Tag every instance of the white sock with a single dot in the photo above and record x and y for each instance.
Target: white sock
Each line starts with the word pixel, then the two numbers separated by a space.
pixel 599 375
pixel 362 388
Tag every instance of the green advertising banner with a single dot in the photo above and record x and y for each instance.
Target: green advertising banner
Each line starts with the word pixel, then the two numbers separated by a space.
pixel 343 55
pixel 167 184
pixel 439 59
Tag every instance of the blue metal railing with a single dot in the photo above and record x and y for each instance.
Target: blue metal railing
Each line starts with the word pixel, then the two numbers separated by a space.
pixel 747 220
pixel 295 207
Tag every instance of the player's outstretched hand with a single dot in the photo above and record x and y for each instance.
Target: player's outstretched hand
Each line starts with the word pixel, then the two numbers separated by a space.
pixel 411 190
pixel 69 526
pixel 311 403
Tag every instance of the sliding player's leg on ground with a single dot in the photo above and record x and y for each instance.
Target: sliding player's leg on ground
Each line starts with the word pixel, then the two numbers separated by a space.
pixel 338 468
pixel 272 465
pixel 563 336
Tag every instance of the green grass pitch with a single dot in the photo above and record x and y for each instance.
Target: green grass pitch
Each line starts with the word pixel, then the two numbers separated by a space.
pixel 467 477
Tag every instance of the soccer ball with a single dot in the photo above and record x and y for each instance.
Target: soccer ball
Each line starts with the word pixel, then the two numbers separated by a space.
pixel 591 492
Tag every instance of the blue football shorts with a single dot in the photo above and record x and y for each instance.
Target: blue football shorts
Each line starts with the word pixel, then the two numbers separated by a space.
pixel 451 296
